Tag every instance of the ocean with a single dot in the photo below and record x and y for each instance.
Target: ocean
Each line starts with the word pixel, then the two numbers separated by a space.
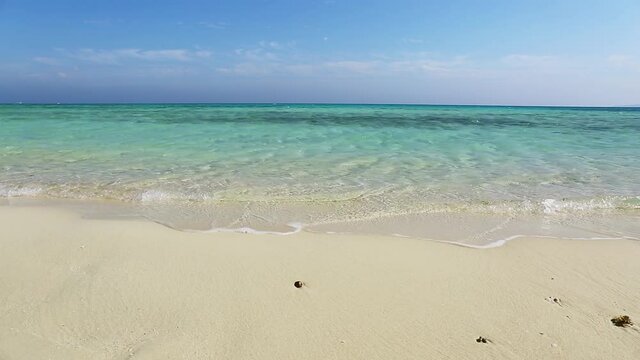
pixel 474 175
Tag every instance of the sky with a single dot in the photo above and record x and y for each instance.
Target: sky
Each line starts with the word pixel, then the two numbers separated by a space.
pixel 542 52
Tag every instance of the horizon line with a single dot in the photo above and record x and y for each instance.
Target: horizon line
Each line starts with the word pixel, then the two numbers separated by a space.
pixel 308 103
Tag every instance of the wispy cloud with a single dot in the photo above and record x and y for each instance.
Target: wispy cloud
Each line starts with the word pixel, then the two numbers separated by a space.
pixel 248 68
pixel 264 58
pixel 624 61
pixel 47 60
pixel 354 66
pixel 429 65
pixel 115 56
pixel 218 25
pixel 528 60
pixel 264 51
pixel 277 45
pixel 260 61
pixel 412 41
pixel 256 54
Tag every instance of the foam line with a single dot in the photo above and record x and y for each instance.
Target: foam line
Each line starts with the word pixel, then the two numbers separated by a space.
pixel 297 227
pixel 502 242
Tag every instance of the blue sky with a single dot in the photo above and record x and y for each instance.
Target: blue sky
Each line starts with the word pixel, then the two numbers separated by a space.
pixel 405 51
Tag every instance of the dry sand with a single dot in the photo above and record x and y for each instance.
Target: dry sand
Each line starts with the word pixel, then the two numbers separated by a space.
pixel 73 288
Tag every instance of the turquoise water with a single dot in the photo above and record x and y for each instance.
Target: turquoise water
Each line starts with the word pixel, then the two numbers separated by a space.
pixel 234 166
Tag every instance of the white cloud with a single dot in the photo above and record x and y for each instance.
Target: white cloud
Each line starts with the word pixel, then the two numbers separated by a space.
pixel 248 68
pixel 412 41
pixel 115 56
pixel 354 66
pixel 624 61
pixel 202 53
pixel 526 60
pixel 261 62
pixel 46 60
pixel 270 44
pixel 265 51
pixel 271 57
pixel 409 63
pixel 256 54
pixel 300 69
pixel 218 25
pixel 429 65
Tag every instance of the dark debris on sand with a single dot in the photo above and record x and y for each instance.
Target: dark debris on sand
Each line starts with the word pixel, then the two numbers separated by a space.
pixel 622 321
pixel 483 340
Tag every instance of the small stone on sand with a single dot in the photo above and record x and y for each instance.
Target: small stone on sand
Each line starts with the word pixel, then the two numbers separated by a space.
pixel 622 321
pixel 554 300
pixel 298 284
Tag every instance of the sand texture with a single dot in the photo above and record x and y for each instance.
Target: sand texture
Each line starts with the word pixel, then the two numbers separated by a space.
pixel 73 288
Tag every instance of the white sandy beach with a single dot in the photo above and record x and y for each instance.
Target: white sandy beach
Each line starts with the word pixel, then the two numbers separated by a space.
pixel 73 288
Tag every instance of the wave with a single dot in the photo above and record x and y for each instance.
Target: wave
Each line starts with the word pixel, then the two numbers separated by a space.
pixel 19 191
pixel 371 203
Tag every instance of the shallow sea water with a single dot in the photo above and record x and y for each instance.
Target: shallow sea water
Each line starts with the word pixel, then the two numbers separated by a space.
pixel 484 173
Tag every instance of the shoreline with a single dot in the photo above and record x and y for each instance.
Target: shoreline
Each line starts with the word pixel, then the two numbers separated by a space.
pixel 77 288
pixel 468 229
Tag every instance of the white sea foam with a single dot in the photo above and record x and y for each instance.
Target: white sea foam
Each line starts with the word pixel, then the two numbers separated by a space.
pixel 502 242
pixel 153 196
pixel 493 244
pixel 553 206
pixel 6 191
pixel 297 227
